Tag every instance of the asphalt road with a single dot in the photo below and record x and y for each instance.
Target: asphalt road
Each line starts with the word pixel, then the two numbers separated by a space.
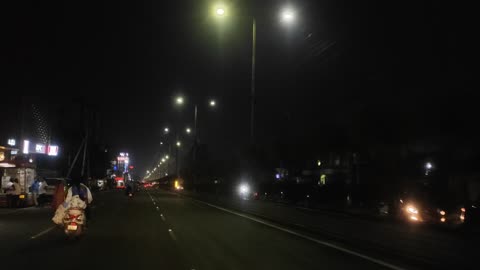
pixel 165 231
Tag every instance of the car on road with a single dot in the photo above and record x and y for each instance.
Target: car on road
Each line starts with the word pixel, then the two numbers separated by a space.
pixel 421 206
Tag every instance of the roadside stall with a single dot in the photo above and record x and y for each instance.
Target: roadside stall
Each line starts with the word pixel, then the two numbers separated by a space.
pixel 24 171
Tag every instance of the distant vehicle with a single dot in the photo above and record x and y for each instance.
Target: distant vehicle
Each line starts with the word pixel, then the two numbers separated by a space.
pixel 119 183
pixel 421 206
pixel 147 185
pixel 101 183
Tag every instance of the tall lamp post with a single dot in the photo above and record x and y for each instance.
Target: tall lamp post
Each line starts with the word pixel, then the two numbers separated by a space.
pixel 287 16
pixel 179 101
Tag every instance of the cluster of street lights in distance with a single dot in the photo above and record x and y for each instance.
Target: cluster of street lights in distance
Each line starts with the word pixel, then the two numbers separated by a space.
pixel 180 101
pixel 162 161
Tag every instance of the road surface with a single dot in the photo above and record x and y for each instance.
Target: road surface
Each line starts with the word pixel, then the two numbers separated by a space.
pixel 166 231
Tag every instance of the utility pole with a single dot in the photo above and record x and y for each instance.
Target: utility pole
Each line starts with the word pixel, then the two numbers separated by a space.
pixel 252 93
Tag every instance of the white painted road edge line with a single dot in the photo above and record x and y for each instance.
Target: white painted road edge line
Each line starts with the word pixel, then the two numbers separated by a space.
pixel 43 232
pixel 351 252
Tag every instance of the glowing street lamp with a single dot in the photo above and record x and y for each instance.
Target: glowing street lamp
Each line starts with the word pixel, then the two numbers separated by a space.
pixel 188 130
pixel 287 16
pixel 428 166
pixel 179 100
pixel 166 131
pixel 220 11
pixel 179 144
pixel 212 103
pixel 163 160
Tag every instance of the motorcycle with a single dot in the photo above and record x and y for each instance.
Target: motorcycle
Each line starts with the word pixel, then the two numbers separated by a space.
pixel 129 192
pixel 74 222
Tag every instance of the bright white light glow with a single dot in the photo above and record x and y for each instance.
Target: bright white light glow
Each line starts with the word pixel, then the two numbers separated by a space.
pixel 40 148
pixel 220 11
pixel 26 145
pixel 244 189
pixel 287 15
pixel 179 100
pixel 412 210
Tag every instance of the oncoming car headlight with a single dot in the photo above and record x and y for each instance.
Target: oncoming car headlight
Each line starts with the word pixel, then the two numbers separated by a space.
pixel 412 209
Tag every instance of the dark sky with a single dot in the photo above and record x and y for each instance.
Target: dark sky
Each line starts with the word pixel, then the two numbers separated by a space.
pixel 366 70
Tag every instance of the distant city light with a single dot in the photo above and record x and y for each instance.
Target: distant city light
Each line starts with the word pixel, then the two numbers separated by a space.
pixel 179 100
pixel 188 130
pixel 12 142
pixel 179 144
pixel 166 130
pixel 277 176
pixel 319 163
pixel 220 11
pixel 244 189
pixel 213 103
pixel 428 165
pixel 26 145
pixel 287 15
pixel 40 148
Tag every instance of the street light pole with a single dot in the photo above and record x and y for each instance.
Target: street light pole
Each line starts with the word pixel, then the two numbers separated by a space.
pixel 195 124
pixel 252 105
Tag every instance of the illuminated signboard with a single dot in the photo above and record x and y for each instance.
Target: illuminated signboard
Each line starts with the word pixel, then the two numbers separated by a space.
pixel 122 158
pixel 11 142
pixel 26 145
pixel 40 148
pixel 52 150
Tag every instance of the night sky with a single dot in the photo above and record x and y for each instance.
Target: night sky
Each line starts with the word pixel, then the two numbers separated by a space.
pixel 347 73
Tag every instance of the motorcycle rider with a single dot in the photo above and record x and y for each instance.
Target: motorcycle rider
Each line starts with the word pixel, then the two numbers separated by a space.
pixel 129 189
